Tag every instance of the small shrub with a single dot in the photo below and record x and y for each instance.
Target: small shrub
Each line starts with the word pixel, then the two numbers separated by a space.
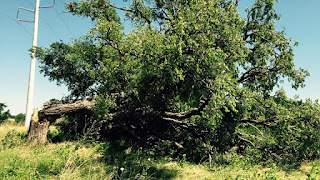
pixel 4 115
pixel 20 118
pixel 132 163
pixel 13 139
pixel 55 135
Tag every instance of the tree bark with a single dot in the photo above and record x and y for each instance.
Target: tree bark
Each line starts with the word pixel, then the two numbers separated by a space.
pixel 40 122
pixel 38 129
pixel 53 110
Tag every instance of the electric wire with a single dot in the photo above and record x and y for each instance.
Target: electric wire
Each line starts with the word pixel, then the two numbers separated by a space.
pixel 31 4
pixel 63 1
pixel 50 27
pixel 24 3
pixel 20 26
pixel 48 1
pixel 64 22
pixel 64 4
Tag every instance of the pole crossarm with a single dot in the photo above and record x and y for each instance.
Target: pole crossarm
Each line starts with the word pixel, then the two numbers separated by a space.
pixel 33 11
pixel 26 9
pixel 46 6
pixel 18 12
pixel 25 21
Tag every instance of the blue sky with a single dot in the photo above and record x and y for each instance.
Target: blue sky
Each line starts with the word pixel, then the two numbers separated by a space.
pixel 299 18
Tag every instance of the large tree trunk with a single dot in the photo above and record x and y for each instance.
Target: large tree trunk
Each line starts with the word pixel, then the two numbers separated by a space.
pixel 38 129
pixel 40 122
pixel 129 122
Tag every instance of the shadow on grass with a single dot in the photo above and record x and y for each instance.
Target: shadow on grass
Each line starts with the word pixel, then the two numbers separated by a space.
pixel 133 163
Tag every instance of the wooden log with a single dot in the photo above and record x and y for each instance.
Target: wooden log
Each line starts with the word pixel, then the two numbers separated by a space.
pixel 40 122
pixel 38 129
pixel 56 109
pixel 53 110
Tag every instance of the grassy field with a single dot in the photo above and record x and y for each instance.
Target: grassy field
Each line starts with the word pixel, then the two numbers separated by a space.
pixel 75 160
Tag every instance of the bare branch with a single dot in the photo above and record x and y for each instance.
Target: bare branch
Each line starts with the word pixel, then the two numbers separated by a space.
pixel 120 8
pixel 245 140
pixel 187 114
pixel 182 123
pixel 265 123
pixel 257 130
pixel 257 71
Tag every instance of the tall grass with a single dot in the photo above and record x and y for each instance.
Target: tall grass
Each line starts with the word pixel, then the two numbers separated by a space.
pixel 76 160
pixel 20 160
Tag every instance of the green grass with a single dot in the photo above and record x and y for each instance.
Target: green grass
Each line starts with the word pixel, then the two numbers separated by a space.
pixel 19 160
pixel 73 160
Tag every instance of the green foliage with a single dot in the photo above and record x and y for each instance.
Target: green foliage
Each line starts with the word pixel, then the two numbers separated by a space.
pixel 284 128
pixel 20 118
pixel 191 57
pixel 12 139
pixel 4 115
pixel 119 160
pixel 79 127
pixel 191 74
pixel 131 162
pixel 19 160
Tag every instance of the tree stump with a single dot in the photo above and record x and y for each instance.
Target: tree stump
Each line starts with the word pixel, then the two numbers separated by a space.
pixel 38 130
pixel 51 111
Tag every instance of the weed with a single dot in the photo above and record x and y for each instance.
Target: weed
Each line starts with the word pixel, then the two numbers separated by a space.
pixel 82 160
pixel 13 139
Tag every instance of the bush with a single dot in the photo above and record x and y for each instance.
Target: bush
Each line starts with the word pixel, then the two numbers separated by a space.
pixel 4 115
pixel 132 162
pixel 13 139
pixel 20 118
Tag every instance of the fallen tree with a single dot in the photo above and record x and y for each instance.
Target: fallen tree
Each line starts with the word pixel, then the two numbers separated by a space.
pixel 287 131
pixel 51 111
pixel 193 73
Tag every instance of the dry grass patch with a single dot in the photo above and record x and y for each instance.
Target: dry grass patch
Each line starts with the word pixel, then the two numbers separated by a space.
pixel 5 128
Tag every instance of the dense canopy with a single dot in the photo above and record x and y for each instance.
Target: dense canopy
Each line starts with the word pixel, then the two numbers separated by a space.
pixel 190 73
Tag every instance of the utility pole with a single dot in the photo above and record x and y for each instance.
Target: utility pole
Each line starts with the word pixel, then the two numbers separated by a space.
pixel 29 106
pixel 32 66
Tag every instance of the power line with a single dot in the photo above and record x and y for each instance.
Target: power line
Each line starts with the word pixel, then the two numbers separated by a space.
pixel 23 28
pixel 20 26
pixel 63 1
pixel 50 27
pixel 46 21
pixel 65 24
pixel 31 4
pixel 24 3
pixel 63 21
